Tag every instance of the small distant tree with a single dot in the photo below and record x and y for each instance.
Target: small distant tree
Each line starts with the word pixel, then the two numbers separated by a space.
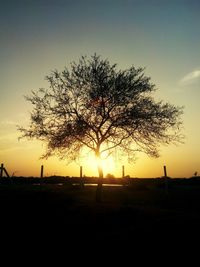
pixel 110 176
pixel 95 105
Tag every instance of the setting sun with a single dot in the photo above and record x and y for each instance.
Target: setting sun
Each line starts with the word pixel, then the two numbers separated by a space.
pixel 108 164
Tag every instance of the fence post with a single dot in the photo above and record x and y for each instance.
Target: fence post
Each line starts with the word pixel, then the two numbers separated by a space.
pixel 42 171
pixel 123 176
pixel 165 171
pixel 81 177
pixel 6 172
pixel 166 180
pixel 1 173
pixel 3 169
pixel 123 173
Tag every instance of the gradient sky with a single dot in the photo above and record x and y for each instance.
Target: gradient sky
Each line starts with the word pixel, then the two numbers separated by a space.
pixel 39 36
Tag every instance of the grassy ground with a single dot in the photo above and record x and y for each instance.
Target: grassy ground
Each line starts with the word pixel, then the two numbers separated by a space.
pixel 141 212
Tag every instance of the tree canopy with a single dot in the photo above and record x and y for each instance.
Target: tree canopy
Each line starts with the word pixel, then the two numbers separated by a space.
pixel 93 104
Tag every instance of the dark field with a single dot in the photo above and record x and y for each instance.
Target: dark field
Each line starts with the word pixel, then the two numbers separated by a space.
pixel 141 212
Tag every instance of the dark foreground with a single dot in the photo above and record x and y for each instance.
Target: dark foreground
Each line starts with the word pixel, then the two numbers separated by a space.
pixel 140 214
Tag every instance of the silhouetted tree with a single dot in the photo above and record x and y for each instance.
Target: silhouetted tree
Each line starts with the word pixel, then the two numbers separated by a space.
pixel 94 105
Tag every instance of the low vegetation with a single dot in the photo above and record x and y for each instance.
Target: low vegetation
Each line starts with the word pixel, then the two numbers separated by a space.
pixel 58 208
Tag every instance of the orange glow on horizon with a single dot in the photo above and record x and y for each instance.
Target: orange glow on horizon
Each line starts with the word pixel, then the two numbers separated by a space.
pixel 23 159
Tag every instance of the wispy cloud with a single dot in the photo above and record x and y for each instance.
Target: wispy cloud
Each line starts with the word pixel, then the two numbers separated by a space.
pixel 191 77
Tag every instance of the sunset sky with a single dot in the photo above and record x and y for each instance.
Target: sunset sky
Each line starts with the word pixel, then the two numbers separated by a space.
pixel 39 36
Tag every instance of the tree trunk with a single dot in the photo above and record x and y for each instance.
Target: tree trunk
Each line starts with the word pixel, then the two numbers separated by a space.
pixel 100 180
